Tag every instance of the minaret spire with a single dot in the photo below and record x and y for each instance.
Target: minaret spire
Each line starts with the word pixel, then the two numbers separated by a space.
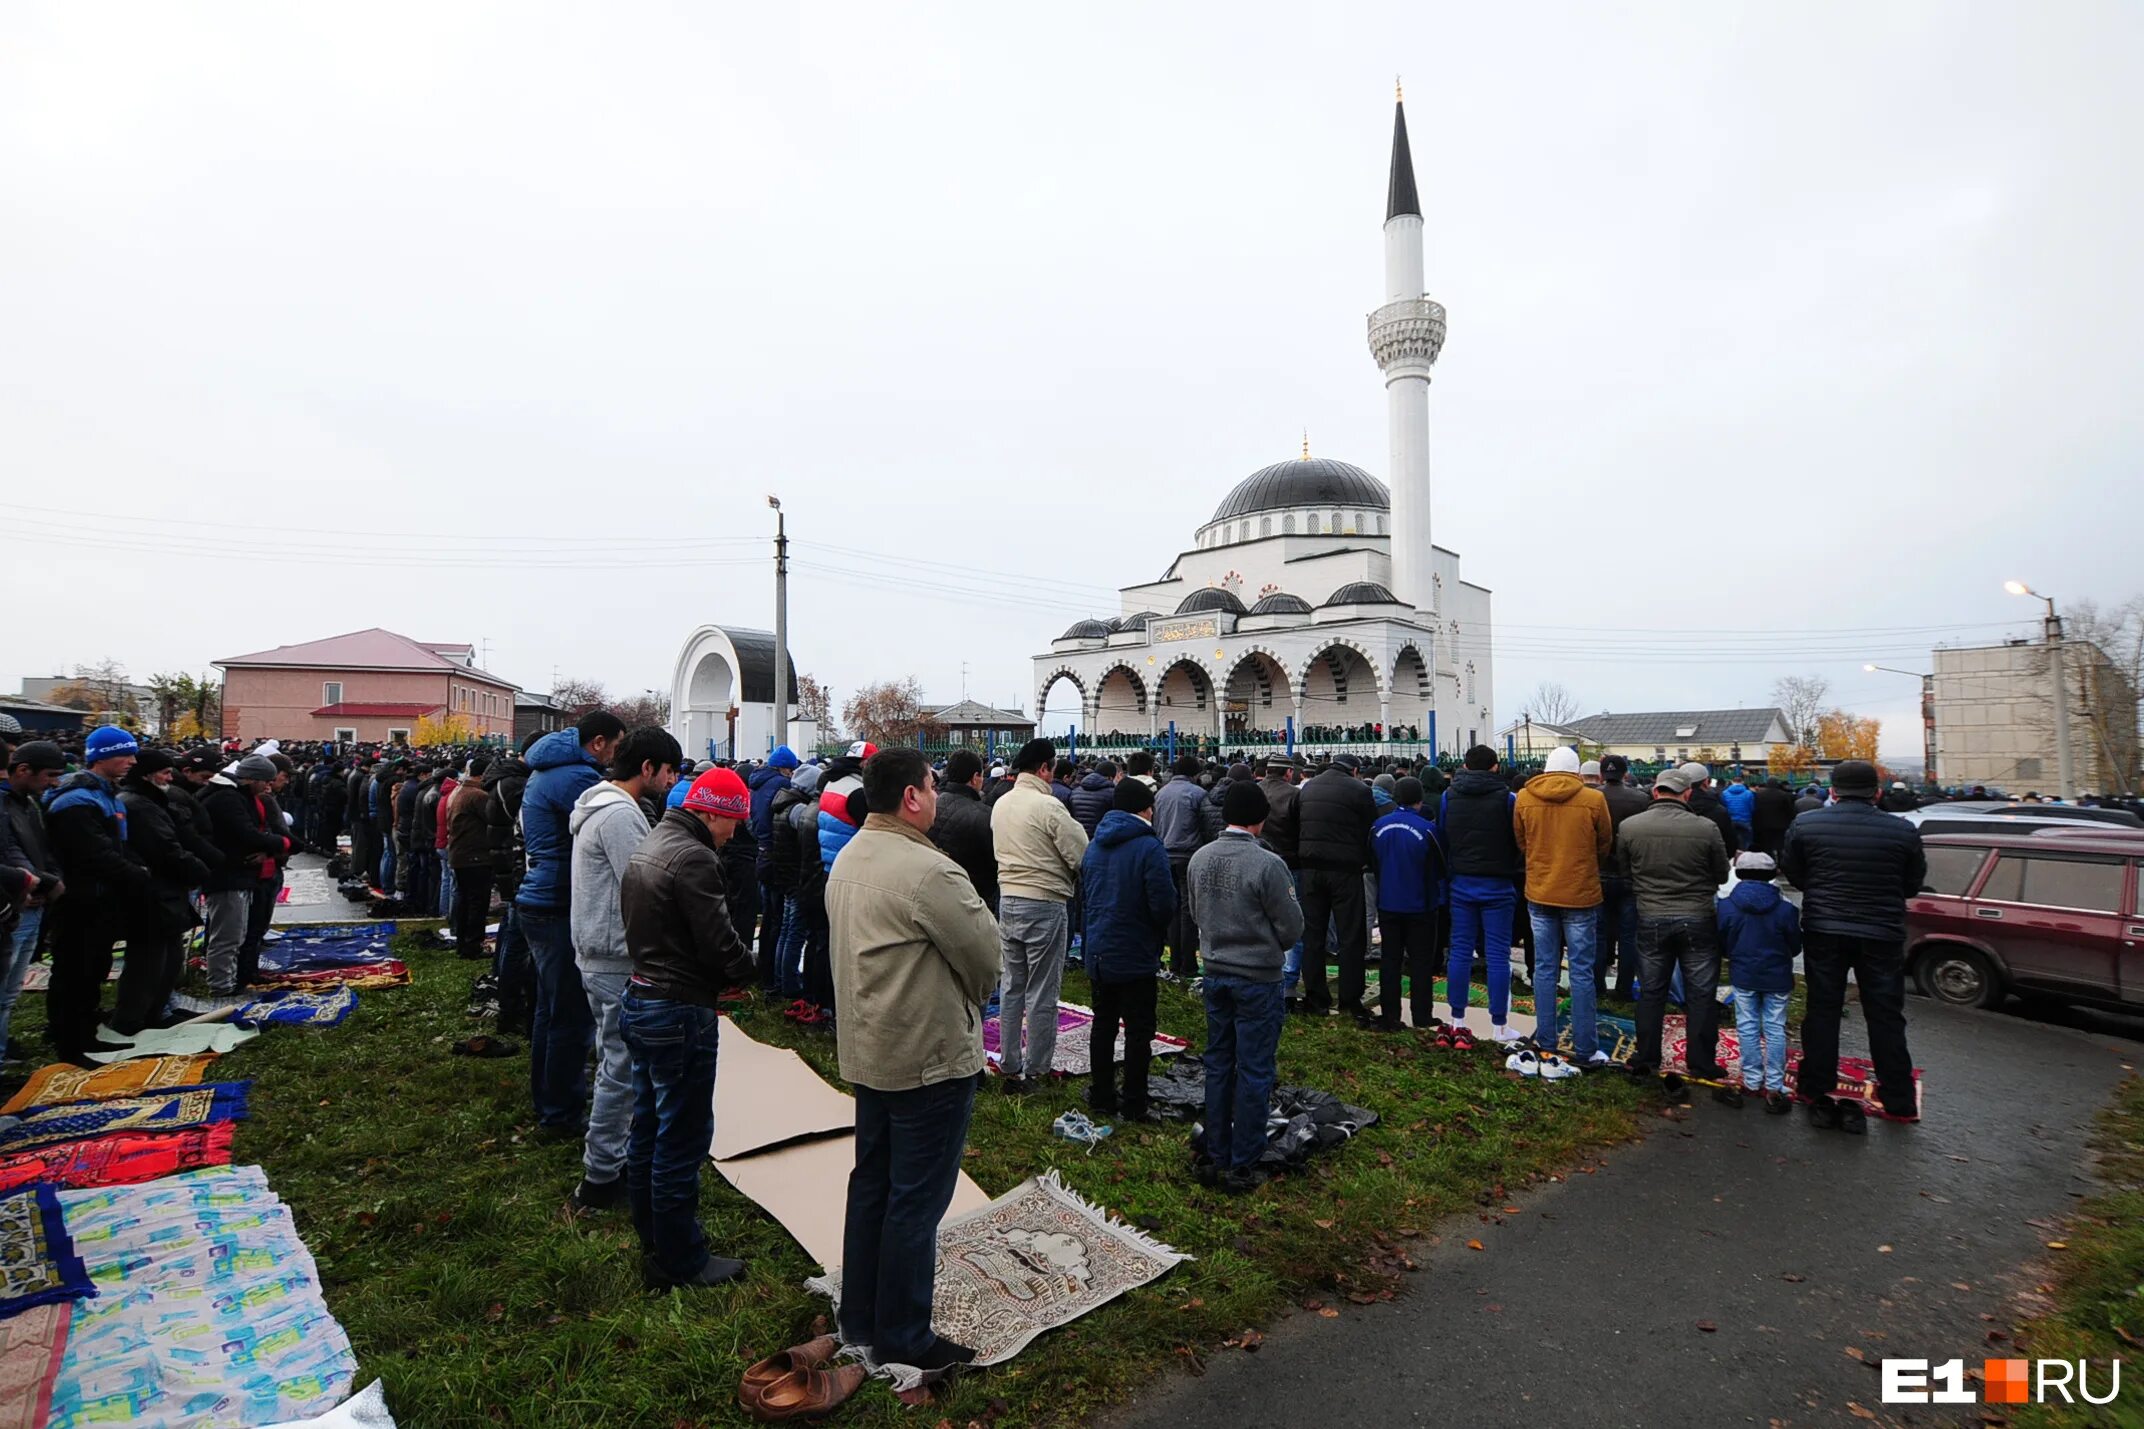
pixel 1406 334
pixel 1399 194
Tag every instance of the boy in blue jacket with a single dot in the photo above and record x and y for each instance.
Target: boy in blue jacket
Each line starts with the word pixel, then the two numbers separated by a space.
pixel 1130 898
pixel 1410 890
pixel 1760 936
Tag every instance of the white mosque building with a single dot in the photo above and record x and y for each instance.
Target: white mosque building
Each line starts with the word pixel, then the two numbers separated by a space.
pixel 1314 600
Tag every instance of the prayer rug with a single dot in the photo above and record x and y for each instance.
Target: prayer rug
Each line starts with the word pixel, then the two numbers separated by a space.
pixel 31 1346
pixel 38 1264
pixel 172 1109
pixel 208 1308
pixel 65 1082
pixel 297 1007
pixel 1037 1257
pixel 1857 1075
pixel 37 977
pixel 120 1160
pixel 311 949
pixel 186 1039
pixel 391 973
pixel 366 1409
pixel 1074 1054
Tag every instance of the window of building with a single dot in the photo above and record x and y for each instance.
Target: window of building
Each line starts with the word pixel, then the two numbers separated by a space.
pixel 1682 755
pixel 346 736
pixel 1265 525
pixel 1951 870
pixel 331 692
pixel 1287 524
pixel 1660 754
pixel 1313 520
pixel 398 736
pixel 2091 885
pixel 1380 525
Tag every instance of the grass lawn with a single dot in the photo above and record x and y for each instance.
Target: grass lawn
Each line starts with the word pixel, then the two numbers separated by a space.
pixel 438 1225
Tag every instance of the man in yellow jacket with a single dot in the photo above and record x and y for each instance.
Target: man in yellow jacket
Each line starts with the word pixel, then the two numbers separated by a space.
pixel 1039 846
pixel 1564 831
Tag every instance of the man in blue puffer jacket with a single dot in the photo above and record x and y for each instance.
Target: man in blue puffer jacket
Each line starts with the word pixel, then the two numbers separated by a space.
pixel 561 765
pixel 1760 936
pixel 1741 802
pixel 767 781
pixel 1130 897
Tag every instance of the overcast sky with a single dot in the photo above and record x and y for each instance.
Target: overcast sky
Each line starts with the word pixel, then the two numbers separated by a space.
pixel 1816 320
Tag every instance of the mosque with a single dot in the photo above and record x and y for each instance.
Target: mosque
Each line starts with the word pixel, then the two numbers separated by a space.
pixel 1314 602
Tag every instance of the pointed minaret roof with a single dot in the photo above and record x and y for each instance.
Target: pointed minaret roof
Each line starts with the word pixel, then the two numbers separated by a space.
pixel 1400 196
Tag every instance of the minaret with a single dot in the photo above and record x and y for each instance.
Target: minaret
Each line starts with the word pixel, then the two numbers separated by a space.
pixel 1405 336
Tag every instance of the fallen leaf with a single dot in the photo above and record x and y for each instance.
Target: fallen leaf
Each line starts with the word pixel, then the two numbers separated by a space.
pixel 1323 1225
pixel 1511 1210
pixel 1363 1297
pixel 1193 1304
pixel 1853 1352
pixel 1329 1313
pixel 2058 1245
pixel 1707 1326
pixel 1474 1245
pixel 1883 1250
pixel 1858 1412
pixel 1797 1279
pixel 1959 1285
pixel 1996 1336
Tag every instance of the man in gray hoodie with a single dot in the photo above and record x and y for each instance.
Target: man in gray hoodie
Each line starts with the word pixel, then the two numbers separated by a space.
pixel 1243 897
pixel 1178 822
pixel 608 826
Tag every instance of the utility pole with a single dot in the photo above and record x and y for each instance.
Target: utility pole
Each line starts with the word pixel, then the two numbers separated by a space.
pixel 2065 770
pixel 781 623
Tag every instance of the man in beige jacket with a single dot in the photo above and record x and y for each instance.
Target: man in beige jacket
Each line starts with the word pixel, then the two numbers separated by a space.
pixel 1039 846
pixel 915 953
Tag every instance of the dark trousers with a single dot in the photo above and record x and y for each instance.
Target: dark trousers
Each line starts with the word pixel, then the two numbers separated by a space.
pixel 1879 969
pixel 515 974
pixel 1132 1003
pixel 82 936
pixel 673 1046
pixel 1693 944
pixel 364 863
pixel 1412 950
pixel 154 962
pixel 1770 840
pixel 259 915
pixel 329 831
pixel 817 952
pixel 563 1030
pixel 1242 1040
pixel 1334 898
pixel 1183 928
pixel 773 904
pixel 472 908
pixel 1618 936
pixel 908 1148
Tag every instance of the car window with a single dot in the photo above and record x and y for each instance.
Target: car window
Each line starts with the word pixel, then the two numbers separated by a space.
pixel 1951 870
pixel 2140 891
pixel 2087 884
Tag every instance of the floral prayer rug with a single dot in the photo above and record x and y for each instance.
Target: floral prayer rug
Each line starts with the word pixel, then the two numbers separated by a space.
pixel 312 949
pixel 31 1345
pixel 1074 1055
pixel 120 1160
pixel 1037 1257
pixel 38 1264
pixel 391 973
pixel 66 1082
pixel 300 1007
pixel 172 1109
pixel 1857 1075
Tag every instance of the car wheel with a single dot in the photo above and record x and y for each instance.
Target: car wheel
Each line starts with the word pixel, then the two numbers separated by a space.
pixel 1959 976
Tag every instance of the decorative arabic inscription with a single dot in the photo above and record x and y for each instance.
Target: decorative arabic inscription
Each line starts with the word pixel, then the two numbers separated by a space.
pixel 1188 630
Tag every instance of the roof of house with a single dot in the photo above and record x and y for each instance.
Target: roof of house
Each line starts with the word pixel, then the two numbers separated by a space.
pixel 356 710
pixel 373 649
pixel 1743 726
pixel 24 702
pixel 968 712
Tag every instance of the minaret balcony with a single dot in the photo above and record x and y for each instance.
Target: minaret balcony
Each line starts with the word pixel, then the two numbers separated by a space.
pixel 1407 333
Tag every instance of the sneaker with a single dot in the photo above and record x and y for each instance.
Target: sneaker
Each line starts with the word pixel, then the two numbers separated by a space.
pixel 1016 1086
pixel 1599 1059
pixel 1462 1039
pixel 1525 1063
pixel 1777 1104
pixel 1728 1096
pixel 1555 1069
pixel 598 1195
pixel 1507 1034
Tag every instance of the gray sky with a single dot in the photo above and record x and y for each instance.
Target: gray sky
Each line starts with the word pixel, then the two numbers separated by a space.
pixel 1815 320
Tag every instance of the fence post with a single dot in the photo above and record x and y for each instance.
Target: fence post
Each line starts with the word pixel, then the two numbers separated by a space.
pixel 1072 742
pixel 1511 749
pixel 1434 751
pixel 1172 741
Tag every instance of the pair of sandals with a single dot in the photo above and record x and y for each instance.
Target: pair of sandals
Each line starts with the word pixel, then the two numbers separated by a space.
pixel 796 1384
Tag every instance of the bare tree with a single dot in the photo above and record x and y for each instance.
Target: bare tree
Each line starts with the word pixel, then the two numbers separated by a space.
pixel 651 708
pixel 576 697
pixel 889 712
pixel 1801 698
pixel 1553 704
pixel 815 705
pixel 102 690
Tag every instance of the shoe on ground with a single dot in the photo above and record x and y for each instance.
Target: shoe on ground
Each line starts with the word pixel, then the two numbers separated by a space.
pixel 1206 1173
pixel 1713 1073
pixel 1676 1088
pixel 944 1354
pixel 1555 1068
pixel 1728 1096
pixel 1824 1114
pixel 1016 1086
pixel 1508 1034
pixel 1242 1180
pixel 1110 1104
pixel 1599 1059
pixel 1525 1063
pixel 1145 1116
pixel 1852 1119
pixel 719 1270
pixel 1462 1039
pixel 1777 1104
pixel 599 1195
pixel 1907 1114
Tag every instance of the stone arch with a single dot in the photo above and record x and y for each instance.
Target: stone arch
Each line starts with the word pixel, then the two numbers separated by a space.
pixel 1120 702
pixel 1191 697
pixel 1323 656
pixel 1410 679
pixel 1253 680
pixel 1062 672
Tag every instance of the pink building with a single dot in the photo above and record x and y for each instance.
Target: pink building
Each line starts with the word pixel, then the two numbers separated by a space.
pixel 367 686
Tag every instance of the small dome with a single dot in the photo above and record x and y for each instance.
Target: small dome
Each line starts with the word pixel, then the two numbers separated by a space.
pixel 1213 597
pixel 1086 630
pixel 1363 593
pixel 1281 603
pixel 1312 481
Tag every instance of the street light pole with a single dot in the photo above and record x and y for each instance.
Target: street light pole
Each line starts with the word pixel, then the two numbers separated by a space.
pixel 2065 773
pixel 1928 717
pixel 781 623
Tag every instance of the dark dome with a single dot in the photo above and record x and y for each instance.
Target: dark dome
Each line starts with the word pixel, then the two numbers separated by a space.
pixel 1137 619
pixel 1312 481
pixel 1086 630
pixel 1281 603
pixel 1212 597
pixel 1363 593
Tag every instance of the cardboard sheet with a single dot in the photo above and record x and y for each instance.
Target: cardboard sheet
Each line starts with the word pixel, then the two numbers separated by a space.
pixel 765 1096
pixel 805 1186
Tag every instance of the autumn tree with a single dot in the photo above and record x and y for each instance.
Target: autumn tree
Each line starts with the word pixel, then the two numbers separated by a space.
pixel 815 705
pixel 445 729
pixel 889 713
pixel 1840 735
pixel 1790 760
pixel 101 689
pixel 1553 704
pixel 576 697
pixel 648 708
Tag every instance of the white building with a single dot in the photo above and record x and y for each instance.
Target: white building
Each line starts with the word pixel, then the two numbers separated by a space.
pixel 722 697
pixel 1314 594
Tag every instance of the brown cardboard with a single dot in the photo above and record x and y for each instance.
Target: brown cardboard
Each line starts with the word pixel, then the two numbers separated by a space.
pixel 765 1096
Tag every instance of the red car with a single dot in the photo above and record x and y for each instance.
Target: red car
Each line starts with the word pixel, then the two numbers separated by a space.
pixel 2061 917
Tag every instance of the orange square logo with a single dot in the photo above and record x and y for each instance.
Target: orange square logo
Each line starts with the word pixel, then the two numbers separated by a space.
pixel 2006 1381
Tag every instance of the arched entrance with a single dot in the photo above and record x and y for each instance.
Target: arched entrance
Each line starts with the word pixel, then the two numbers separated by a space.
pixel 1258 698
pixel 1186 695
pixel 1341 695
pixel 1412 693
pixel 1060 703
pixel 1120 705
pixel 704 696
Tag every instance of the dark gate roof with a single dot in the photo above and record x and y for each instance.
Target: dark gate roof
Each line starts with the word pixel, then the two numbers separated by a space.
pixel 755 661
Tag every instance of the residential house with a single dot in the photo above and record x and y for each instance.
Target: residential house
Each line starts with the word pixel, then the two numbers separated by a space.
pixel 1720 738
pixel 369 686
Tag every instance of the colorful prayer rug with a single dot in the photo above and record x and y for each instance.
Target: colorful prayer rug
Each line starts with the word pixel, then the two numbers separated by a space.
pixel 208 1310
pixel 37 977
pixel 31 1346
pixel 172 1109
pixel 297 1007
pixel 65 1082
pixel 1857 1075
pixel 1037 1257
pixel 392 973
pixel 38 1264
pixel 1074 1055
pixel 120 1160
pixel 311 949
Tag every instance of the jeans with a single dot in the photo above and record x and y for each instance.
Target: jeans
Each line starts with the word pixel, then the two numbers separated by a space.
pixel 510 966
pixel 1132 1002
pixel 23 948
pixel 1618 942
pixel 1291 962
pixel 1556 929
pixel 1879 969
pixel 610 1113
pixel 1242 1039
pixel 1762 1016
pixel 445 890
pixel 908 1148
pixel 1410 953
pixel 1034 939
pixel 774 904
pixel 1334 897
pixel 672 1046
pixel 1482 924
pixel 1690 944
pixel 471 907
pixel 797 932
pixel 562 1031
pixel 1183 928
pixel 225 934
pixel 387 865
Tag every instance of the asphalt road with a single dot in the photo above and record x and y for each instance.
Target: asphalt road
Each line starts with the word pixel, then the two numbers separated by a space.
pixel 1587 1308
